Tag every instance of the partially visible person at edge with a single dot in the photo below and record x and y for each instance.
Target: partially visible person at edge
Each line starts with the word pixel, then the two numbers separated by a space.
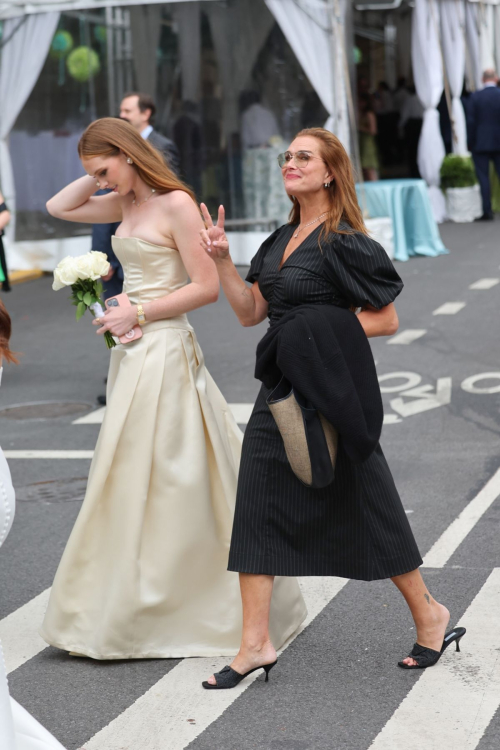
pixel 4 220
pixel 356 527
pixel 144 572
pixel 18 729
pixel 483 133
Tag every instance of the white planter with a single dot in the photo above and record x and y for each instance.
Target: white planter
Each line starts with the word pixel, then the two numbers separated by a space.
pixel 463 204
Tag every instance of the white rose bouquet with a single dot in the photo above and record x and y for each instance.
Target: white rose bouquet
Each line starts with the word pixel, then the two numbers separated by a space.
pixel 83 275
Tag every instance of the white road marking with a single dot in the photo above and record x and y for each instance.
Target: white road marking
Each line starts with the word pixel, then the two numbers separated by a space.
pixel 159 718
pixel 391 419
pixel 241 413
pixel 19 632
pixel 407 336
pixel 484 284
pixel 49 454
pixel 458 698
pixel 426 399
pixel 93 417
pixel 450 540
pixel 449 308
pixel 469 384
pixel 412 379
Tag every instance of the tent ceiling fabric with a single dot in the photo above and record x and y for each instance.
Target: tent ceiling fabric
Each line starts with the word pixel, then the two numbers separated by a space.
pixel 14 8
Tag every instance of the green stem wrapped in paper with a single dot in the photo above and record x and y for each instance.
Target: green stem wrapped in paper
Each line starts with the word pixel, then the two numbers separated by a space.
pixel 83 274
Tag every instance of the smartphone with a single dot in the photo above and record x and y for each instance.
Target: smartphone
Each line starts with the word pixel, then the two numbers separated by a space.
pixel 121 300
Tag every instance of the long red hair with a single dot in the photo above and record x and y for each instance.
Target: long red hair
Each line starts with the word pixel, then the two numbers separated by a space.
pixel 5 333
pixel 342 192
pixel 109 136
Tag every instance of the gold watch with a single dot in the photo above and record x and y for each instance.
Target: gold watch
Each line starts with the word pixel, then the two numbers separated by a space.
pixel 141 317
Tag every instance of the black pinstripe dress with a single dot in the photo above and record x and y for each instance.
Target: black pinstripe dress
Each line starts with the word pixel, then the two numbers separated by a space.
pixel 356 527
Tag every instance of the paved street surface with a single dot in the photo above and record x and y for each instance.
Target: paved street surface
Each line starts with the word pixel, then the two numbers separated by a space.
pixel 336 686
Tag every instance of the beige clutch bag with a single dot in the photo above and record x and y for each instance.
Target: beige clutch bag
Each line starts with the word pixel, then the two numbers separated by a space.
pixel 311 442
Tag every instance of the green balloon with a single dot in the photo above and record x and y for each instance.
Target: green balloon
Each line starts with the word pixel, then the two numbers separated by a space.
pixel 83 63
pixel 62 44
pixel 100 33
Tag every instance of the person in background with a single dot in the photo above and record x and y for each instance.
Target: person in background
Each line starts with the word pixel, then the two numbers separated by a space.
pixel 113 282
pixel 410 125
pixel 367 131
pixel 139 110
pixel 400 95
pixel 387 122
pixel 258 123
pixel 4 220
pixel 188 137
pixel 18 729
pixel 483 131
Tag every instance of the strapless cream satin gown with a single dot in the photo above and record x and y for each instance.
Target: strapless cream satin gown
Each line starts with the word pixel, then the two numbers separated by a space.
pixel 144 571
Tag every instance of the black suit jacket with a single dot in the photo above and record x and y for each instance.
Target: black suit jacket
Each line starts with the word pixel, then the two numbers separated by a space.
pixel 483 120
pixel 324 353
pixel 167 148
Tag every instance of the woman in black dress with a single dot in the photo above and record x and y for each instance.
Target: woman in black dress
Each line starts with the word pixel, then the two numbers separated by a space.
pixel 356 527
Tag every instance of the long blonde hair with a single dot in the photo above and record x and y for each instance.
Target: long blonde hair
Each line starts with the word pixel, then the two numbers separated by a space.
pixel 109 136
pixel 342 193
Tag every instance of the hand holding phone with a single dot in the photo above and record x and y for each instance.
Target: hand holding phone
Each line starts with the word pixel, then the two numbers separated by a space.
pixel 121 300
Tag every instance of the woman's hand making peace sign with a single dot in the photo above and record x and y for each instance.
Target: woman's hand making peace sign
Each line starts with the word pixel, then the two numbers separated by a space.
pixel 213 238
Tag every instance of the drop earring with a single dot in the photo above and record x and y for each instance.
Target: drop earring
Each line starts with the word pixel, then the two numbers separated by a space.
pixel 129 160
pixel 327 184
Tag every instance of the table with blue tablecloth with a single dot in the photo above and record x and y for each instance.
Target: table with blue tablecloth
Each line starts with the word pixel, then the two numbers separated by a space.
pixel 407 203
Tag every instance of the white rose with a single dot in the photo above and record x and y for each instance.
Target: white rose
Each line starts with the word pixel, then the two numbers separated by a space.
pixel 65 273
pixel 83 265
pixel 100 263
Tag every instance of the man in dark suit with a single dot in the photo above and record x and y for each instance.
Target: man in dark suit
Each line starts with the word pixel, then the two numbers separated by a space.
pixel 139 110
pixel 483 132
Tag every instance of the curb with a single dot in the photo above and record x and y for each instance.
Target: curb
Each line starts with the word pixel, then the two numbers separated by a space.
pixel 19 277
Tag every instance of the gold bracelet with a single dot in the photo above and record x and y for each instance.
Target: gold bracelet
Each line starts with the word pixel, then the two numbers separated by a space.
pixel 141 316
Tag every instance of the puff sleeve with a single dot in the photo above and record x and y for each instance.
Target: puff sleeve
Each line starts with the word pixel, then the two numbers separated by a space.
pixel 361 271
pixel 258 259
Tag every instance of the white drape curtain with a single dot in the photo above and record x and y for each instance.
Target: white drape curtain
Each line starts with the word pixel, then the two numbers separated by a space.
pixel 486 36
pixel 307 27
pixel 428 77
pixel 236 61
pixel 187 16
pixel 452 25
pixel 472 33
pixel 145 27
pixel 22 59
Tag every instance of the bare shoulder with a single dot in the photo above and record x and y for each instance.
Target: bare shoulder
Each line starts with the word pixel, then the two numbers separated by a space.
pixel 178 200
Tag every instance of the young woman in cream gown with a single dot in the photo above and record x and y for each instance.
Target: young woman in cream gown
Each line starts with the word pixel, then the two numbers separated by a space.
pixel 144 571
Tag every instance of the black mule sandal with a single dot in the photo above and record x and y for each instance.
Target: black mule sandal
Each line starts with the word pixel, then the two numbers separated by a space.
pixel 427 657
pixel 229 678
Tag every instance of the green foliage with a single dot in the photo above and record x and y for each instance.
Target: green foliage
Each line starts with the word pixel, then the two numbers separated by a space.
pixel 457 172
pixel 80 310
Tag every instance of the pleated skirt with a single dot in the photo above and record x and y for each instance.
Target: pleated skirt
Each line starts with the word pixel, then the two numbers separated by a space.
pixel 144 573
pixel 354 528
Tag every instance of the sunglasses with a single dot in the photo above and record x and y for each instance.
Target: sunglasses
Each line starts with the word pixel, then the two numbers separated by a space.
pixel 300 158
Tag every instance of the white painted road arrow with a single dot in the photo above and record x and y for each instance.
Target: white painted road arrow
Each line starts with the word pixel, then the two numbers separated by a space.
pixel 426 398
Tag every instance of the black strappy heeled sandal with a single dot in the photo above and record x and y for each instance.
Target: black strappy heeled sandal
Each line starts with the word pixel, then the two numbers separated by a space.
pixel 427 657
pixel 229 678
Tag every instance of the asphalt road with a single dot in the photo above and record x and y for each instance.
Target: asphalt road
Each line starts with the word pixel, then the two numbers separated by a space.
pixel 336 685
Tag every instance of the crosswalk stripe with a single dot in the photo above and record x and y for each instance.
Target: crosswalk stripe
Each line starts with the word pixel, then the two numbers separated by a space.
pixel 159 718
pixel 484 284
pixel 241 413
pixel 450 540
pixel 93 417
pixel 19 632
pixel 454 702
pixel 407 336
pixel 449 308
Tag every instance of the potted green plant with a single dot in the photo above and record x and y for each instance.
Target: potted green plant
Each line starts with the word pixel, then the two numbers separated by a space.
pixel 459 183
